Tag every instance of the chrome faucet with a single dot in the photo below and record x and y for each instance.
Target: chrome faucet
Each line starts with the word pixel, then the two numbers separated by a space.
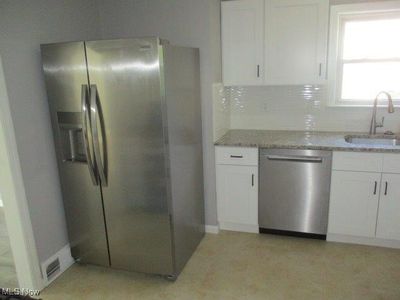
pixel 374 124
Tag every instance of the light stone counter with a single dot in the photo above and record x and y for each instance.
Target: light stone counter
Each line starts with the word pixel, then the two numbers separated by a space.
pixel 300 140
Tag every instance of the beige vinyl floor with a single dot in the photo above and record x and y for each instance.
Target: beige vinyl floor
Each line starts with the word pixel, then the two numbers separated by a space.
pixel 250 266
pixel 8 276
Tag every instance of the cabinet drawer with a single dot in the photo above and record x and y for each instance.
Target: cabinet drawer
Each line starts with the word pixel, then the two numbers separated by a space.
pixel 357 161
pixel 391 163
pixel 236 156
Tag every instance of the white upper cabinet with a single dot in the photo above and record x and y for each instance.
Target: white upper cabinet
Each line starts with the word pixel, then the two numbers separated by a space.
pixel 286 47
pixel 242 42
pixel 296 35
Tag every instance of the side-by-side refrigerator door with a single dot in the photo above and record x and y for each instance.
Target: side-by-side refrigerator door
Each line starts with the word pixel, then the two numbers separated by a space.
pixel 127 107
pixel 67 86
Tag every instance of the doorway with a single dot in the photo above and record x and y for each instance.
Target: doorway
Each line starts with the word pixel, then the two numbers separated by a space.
pixel 20 257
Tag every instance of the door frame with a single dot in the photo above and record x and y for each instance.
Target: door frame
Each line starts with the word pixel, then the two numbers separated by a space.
pixel 15 202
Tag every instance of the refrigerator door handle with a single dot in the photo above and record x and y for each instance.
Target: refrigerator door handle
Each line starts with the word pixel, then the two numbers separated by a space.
pixel 85 115
pixel 94 115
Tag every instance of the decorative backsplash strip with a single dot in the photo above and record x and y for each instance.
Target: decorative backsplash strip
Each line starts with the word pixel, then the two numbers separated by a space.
pixel 297 108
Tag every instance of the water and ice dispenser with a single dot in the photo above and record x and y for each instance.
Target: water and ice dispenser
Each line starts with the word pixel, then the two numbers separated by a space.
pixel 71 135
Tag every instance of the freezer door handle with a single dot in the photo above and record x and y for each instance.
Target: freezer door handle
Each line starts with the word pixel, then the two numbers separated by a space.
pixel 85 116
pixel 96 117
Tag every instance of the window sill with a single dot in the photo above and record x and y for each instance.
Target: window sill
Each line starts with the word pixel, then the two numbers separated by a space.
pixel 396 103
pixel 359 105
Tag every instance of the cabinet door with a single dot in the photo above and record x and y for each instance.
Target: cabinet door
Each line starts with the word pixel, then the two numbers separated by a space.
pixel 388 226
pixel 354 203
pixel 237 194
pixel 296 34
pixel 242 42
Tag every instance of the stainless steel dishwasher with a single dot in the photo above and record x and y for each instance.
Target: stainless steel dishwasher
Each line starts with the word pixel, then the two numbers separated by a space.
pixel 294 192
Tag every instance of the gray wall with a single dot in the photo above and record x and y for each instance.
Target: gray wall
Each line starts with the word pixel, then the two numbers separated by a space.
pixel 24 25
pixel 191 23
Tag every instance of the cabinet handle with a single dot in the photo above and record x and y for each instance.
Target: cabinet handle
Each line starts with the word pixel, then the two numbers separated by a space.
pixel 376 185
pixel 320 69
pixel 258 71
pixel 386 187
pixel 236 156
pixel 252 179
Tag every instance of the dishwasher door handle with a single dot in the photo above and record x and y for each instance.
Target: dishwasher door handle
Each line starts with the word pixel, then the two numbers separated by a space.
pixel 310 159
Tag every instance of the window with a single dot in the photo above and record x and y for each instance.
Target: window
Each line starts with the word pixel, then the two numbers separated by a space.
pixel 364 53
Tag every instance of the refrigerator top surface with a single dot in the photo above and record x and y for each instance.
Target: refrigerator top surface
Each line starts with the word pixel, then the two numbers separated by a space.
pixel 159 40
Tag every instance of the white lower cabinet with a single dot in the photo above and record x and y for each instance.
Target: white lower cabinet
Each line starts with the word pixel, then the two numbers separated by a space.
pixel 365 203
pixel 364 199
pixel 237 189
pixel 388 225
pixel 354 203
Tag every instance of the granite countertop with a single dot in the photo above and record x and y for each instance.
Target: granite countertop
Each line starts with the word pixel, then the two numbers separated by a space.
pixel 321 140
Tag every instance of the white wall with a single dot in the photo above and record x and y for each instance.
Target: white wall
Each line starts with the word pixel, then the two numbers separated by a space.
pixel 24 25
pixel 191 23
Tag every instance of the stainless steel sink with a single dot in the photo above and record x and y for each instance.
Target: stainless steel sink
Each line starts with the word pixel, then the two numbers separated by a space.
pixel 374 140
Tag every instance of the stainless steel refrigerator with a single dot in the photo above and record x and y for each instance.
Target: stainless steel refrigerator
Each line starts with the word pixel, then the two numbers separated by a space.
pixel 126 116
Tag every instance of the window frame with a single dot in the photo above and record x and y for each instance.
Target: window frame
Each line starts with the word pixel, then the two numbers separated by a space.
pixel 340 14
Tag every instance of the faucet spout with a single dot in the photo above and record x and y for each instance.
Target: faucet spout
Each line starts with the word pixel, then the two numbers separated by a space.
pixel 390 106
pixel 374 124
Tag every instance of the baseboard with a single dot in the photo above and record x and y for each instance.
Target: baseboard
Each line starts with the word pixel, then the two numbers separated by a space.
pixel 341 238
pixel 65 261
pixel 238 227
pixel 214 229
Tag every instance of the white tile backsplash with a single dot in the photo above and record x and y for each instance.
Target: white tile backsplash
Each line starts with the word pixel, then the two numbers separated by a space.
pixel 222 110
pixel 294 108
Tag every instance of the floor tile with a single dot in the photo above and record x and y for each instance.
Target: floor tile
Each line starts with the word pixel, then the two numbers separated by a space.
pixel 250 266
